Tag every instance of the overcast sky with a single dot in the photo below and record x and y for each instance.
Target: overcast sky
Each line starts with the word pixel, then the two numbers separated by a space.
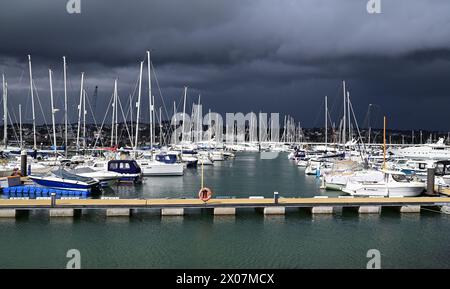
pixel 241 55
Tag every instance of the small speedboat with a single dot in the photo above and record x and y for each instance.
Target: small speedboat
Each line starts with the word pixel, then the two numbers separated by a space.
pixel 62 179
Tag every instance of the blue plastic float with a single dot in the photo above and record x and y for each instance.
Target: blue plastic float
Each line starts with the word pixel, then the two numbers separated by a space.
pixel 34 192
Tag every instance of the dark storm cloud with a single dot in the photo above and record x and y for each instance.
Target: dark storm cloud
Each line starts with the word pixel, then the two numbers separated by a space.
pixel 241 55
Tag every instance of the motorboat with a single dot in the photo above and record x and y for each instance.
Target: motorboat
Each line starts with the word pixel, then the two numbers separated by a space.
pixel 338 181
pixel 62 179
pixel 343 171
pixel 393 184
pixel 162 165
pixel 106 178
pixel 129 170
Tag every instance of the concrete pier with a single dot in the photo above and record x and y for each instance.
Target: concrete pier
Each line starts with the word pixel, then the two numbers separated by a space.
pixel 322 210
pixel 410 209
pixel 224 211
pixel 7 213
pixel 274 210
pixel 117 212
pixel 172 212
pixel 369 210
pixel 61 212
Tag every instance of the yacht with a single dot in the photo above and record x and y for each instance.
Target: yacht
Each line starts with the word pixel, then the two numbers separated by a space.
pixel 436 151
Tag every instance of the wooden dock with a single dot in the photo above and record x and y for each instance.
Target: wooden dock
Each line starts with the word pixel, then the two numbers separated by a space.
pixel 123 207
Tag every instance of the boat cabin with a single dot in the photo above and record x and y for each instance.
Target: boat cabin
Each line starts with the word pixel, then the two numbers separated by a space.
pixel 442 168
pixel 124 167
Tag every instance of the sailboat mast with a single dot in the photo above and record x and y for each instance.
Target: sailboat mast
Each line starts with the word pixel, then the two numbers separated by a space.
pixel 384 142
pixel 79 111
pixel 32 102
pixel 84 119
pixel 326 123
pixel 150 99
pixel 199 130
pixel 131 121
pixel 345 113
pixel 138 105
pixel 184 112
pixel 65 107
pixel 5 112
pixel 160 127
pixel 349 118
pixel 20 126
pixel 175 122
pixel 116 108
pixel 53 110
pixel 153 119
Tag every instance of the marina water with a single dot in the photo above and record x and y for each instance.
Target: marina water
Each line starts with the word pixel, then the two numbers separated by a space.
pixel 247 240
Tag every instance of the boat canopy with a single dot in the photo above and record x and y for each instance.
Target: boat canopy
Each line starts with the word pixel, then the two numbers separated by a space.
pixel 62 173
pixel 124 166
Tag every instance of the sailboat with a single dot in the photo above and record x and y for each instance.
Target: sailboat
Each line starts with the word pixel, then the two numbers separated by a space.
pixel 150 165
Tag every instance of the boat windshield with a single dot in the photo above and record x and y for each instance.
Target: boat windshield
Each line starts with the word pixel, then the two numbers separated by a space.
pixel 67 175
pixel 400 178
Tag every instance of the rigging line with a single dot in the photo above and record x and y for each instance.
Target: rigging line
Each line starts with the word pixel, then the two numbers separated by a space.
pixel 159 89
pixel 14 129
pixel 126 125
pixel 359 133
pixel 103 122
pixel 92 112
pixel 42 111
pixel 130 105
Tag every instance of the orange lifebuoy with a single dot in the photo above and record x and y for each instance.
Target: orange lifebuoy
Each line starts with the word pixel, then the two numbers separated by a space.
pixel 205 194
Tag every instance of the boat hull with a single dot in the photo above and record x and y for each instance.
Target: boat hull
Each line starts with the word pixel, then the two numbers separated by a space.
pixel 54 183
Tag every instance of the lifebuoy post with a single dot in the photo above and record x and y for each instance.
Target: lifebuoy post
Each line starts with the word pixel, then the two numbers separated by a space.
pixel 205 194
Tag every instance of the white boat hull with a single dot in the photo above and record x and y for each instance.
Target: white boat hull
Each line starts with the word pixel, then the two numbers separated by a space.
pixel 162 169
pixel 384 190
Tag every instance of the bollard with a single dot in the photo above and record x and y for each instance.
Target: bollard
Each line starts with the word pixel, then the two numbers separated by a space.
pixel 53 195
pixel 275 197
pixel 23 163
pixel 430 181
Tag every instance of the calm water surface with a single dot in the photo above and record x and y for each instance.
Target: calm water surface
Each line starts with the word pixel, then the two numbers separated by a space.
pixel 248 240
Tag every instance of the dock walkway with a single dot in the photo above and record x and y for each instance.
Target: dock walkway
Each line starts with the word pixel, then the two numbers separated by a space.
pixel 123 207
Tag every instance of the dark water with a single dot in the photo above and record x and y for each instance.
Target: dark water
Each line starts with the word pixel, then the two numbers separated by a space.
pixel 248 240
